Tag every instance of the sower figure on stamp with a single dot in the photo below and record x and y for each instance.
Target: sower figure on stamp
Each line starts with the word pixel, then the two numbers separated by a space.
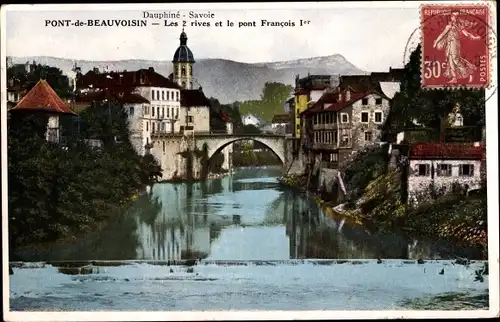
pixel 457 67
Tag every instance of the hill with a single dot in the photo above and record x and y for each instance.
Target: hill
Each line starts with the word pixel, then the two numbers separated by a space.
pixel 227 80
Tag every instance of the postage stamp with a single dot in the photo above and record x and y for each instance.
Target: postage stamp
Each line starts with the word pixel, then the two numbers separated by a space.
pixel 455 46
pixel 201 161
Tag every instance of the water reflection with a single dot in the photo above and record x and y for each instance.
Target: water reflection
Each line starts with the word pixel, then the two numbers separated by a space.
pixel 246 216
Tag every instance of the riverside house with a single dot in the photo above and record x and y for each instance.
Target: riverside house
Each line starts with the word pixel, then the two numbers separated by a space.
pixel 348 117
pixel 440 166
pixel 42 98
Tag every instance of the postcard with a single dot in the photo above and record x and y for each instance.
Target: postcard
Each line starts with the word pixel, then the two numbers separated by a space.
pixel 200 161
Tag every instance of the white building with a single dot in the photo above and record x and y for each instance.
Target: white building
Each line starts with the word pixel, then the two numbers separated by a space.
pixel 250 119
pixel 151 100
pixel 441 165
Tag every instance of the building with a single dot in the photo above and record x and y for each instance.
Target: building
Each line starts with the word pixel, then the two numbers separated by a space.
pixel 440 166
pixel 42 98
pixel 250 119
pixel 281 124
pixel 307 91
pixel 348 117
pixel 183 64
pixel 152 101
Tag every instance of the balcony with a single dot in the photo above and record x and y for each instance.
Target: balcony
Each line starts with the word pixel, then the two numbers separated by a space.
pixel 324 146
pixel 326 126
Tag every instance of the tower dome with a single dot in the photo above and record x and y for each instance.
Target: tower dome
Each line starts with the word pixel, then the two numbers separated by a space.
pixel 183 54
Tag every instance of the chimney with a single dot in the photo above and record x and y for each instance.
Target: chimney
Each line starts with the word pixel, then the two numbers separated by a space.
pixel 200 89
pixel 340 97
pixel 348 95
pixel 96 70
pixel 151 69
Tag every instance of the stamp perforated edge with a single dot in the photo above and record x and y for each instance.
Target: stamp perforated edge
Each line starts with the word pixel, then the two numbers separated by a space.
pixel 490 34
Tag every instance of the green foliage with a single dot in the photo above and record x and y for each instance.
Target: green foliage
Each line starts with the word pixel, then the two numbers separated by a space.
pixel 428 107
pixel 271 101
pixel 364 167
pixel 57 192
pixel 27 79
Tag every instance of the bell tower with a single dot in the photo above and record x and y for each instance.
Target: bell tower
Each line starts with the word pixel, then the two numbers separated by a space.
pixel 183 64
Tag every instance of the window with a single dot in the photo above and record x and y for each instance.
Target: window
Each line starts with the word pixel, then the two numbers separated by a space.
pixel 364 117
pixel 163 112
pixel 183 84
pixel 443 170
pixel 162 95
pixel 378 117
pixel 183 71
pixel 158 111
pixel 423 170
pixel 334 157
pixel 172 111
pixel 466 170
pixel 298 126
pixel 364 101
pixel 344 118
pixel 168 114
pixel 163 146
pixel 153 95
pixel 191 84
pixel 177 96
pixel 168 95
pixel 147 126
pixel 153 111
pixel 378 101
pixel 153 128
pixel 131 111
pixel 190 119
pixel 163 127
pixel 368 136
pixel 177 113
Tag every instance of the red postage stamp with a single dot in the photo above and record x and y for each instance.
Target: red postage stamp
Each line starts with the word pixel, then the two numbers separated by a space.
pixel 455 46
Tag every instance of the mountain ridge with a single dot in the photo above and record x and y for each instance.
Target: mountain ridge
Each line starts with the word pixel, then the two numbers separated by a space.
pixel 225 79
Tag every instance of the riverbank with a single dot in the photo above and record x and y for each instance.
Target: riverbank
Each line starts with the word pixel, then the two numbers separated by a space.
pixel 436 220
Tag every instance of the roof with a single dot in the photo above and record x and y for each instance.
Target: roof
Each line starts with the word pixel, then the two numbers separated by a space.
pixel 193 97
pixel 43 98
pixel 122 97
pixel 281 118
pixel 453 151
pixel 183 53
pixel 125 81
pixel 338 101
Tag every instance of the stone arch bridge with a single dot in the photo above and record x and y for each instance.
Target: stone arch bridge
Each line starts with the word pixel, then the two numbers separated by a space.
pixel 217 142
pixel 171 150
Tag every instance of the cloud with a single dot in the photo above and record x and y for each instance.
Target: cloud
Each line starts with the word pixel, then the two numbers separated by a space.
pixel 370 38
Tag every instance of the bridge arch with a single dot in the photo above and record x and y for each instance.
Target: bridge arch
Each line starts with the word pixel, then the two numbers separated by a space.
pixel 213 145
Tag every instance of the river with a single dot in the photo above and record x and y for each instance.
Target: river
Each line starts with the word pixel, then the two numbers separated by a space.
pixel 261 247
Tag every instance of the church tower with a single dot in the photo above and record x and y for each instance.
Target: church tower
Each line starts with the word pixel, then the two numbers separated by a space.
pixel 183 64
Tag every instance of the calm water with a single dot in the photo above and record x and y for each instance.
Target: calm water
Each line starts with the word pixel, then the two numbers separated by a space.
pixel 248 220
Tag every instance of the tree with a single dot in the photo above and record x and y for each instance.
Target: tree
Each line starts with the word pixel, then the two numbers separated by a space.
pixel 28 78
pixel 429 107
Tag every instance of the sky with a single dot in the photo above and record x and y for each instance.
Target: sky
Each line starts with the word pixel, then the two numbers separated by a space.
pixel 371 37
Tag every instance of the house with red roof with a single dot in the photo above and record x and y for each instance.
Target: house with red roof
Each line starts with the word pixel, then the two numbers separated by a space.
pixel 350 116
pixel 344 121
pixel 42 98
pixel 441 165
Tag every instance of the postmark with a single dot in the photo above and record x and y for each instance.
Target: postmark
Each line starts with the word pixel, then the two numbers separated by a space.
pixel 455 42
